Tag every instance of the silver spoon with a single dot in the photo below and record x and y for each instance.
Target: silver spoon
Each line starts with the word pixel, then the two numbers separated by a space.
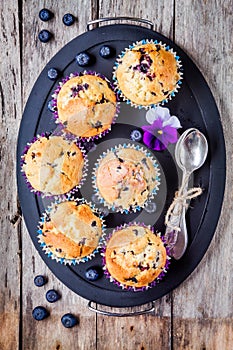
pixel 190 154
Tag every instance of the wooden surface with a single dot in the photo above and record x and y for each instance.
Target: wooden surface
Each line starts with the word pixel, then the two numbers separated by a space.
pixel 198 314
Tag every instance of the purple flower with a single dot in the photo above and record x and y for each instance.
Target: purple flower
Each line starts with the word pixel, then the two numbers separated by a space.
pixel 162 129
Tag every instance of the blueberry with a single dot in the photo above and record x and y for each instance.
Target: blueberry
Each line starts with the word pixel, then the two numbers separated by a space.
pixel 51 106
pixel 150 207
pixel 95 199
pixel 69 320
pixel 104 211
pixel 136 135
pixel 106 51
pixel 40 280
pixel 68 19
pixel 40 313
pixel 90 146
pixel 92 273
pixel 52 296
pixel 44 36
pixel 53 73
pixel 45 15
pixel 83 59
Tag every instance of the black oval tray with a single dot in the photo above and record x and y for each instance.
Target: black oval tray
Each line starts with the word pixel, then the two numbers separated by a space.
pixel 195 107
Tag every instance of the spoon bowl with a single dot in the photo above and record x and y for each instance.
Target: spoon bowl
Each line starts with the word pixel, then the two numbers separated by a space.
pixel 191 152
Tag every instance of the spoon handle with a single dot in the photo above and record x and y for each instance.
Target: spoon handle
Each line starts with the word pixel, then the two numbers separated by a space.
pixel 181 243
pixel 177 239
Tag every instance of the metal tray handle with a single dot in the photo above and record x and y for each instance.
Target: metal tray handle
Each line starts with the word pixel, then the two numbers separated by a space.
pixel 150 310
pixel 133 19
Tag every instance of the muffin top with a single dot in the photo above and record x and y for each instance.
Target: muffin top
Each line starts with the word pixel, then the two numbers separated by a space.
pixel 86 105
pixel 147 74
pixel 53 165
pixel 125 178
pixel 71 230
pixel 135 256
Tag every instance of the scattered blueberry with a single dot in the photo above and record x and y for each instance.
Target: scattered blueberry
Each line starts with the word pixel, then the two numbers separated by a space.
pixel 150 207
pixel 53 73
pixel 52 296
pixel 50 106
pixel 83 59
pixel 104 211
pixel 69 320
pixel 40 280
pixel 44 36
pixel 45 15
pixel 106 51
pixel 89 146
pixel 40 313
pixel 92 273
pixel 68 19
pixel 95 198
pixel 136 135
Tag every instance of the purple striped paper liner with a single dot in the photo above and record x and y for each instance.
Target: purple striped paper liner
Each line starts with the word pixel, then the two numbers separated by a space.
pixel 56 114
pixel 132 288
pixel 68 139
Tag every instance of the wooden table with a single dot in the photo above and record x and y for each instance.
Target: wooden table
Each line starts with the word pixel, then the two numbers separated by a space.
pixel 198 314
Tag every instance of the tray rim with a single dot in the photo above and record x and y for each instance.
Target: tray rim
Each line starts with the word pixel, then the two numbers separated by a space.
pixel 219 171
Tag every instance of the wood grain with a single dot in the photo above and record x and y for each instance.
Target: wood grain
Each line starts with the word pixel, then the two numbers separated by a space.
pixel 50 334
pixel 198 314
pixel 202 311
pixel 10 89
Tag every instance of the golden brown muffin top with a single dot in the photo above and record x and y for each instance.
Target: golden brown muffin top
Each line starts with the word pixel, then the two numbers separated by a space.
pixel 53 165
pixel 135 256
pixel 147 74
pixel 126 177
pixel 72 230
pixel 86 105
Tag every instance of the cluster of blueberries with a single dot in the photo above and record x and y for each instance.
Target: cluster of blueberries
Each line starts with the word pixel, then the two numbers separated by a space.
pixel 68 320
pixel 40 312
pixel 46 15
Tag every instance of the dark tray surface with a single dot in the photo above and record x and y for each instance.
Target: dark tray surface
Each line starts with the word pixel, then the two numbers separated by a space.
pixel 195 107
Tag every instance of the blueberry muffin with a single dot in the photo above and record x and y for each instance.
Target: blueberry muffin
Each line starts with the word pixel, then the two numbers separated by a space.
pixel 126 177
pixel 86 105
pixel 71 230
pixel 53 165
pixel 147 74
pixel 135 256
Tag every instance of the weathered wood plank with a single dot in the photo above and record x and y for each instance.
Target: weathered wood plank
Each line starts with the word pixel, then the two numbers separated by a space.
pixel 148 331
pixel 158 12
pixel 202 306
pixel 50 333
pixel 10 107
pixel 202 316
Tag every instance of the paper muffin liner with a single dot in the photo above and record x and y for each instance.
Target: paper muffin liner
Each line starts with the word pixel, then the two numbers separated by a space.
pixel 69 138
pixel 153 105
pixel 131 208
pixel 133 288
pixel 73 261
pixel 56 114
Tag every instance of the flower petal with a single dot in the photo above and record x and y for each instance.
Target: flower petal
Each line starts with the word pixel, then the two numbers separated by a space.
pixel 152 142
pixel 158 145
pixel 151 115
pixel 173 121
pixel 153 129
pixel 170 135
pixel 157 125
pixel 148 139
pixel 163 113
